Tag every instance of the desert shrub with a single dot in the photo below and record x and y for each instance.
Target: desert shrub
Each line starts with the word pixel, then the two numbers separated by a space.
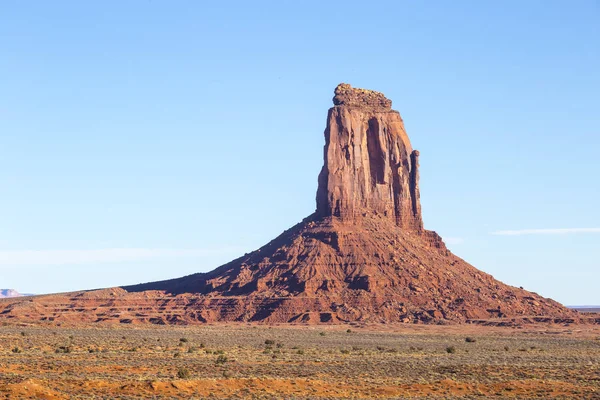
pixel 380 348
pixel 16 350
pixel 345 351
pixel 469 339
pixel 177 355
pixel 300 352
pixel 222 359
pixel 349 331
pixel 63 349
pixel 279 345
pixel 450 349
pixel 183 340
pixel 183 373
pixel 322 333
pixel 269 342
pixel 506 348
pixel 23 334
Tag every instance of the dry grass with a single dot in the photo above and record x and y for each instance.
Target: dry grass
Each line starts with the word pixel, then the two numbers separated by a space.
pixel 243 361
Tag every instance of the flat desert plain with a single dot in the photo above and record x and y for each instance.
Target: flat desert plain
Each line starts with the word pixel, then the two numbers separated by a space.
pixel 299 362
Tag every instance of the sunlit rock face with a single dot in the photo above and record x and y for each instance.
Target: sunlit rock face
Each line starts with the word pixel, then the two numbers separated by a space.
pixel 369 166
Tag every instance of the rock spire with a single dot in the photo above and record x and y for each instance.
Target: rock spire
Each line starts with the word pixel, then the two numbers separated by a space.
pixel 369 164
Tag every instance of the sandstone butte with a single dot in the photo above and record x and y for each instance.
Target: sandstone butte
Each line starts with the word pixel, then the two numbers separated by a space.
pixel 363 255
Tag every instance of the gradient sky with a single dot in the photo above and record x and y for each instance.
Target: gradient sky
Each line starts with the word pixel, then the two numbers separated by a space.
pixel 142 140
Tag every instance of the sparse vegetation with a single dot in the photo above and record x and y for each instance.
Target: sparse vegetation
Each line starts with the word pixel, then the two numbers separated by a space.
pixel 183 373
pixel 221 359
pixel 404 361
pixel 451 349
pixel 63 349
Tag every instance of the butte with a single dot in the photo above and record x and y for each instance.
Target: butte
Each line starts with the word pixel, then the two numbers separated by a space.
pixel 362 256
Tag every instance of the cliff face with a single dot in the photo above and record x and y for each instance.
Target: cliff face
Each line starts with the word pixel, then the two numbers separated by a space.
pixel 369 166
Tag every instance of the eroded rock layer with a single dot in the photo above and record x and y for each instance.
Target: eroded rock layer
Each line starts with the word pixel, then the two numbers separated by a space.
pixel 363 256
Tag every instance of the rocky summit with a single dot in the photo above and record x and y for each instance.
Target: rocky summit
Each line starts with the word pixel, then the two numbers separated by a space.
pixel 363 256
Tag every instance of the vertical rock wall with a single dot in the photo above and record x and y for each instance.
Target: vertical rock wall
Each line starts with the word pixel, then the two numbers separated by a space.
pixel 369 164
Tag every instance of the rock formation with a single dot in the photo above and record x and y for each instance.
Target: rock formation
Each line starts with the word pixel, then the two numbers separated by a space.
pixel 363 256
pixel 5 293
pixel 370 167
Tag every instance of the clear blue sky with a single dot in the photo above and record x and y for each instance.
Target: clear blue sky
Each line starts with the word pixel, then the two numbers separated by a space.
pixel 142 140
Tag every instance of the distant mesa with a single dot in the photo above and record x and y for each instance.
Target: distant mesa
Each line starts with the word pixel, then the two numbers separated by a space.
pixel 6 293
pixel 363 256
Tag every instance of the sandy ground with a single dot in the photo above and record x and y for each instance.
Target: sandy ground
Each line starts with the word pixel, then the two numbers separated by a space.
pixel 299 362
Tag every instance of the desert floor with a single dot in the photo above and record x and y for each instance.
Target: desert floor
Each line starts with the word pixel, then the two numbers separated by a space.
pixel 299 362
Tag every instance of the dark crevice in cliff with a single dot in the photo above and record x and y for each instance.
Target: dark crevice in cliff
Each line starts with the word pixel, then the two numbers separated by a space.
pixel 376 156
